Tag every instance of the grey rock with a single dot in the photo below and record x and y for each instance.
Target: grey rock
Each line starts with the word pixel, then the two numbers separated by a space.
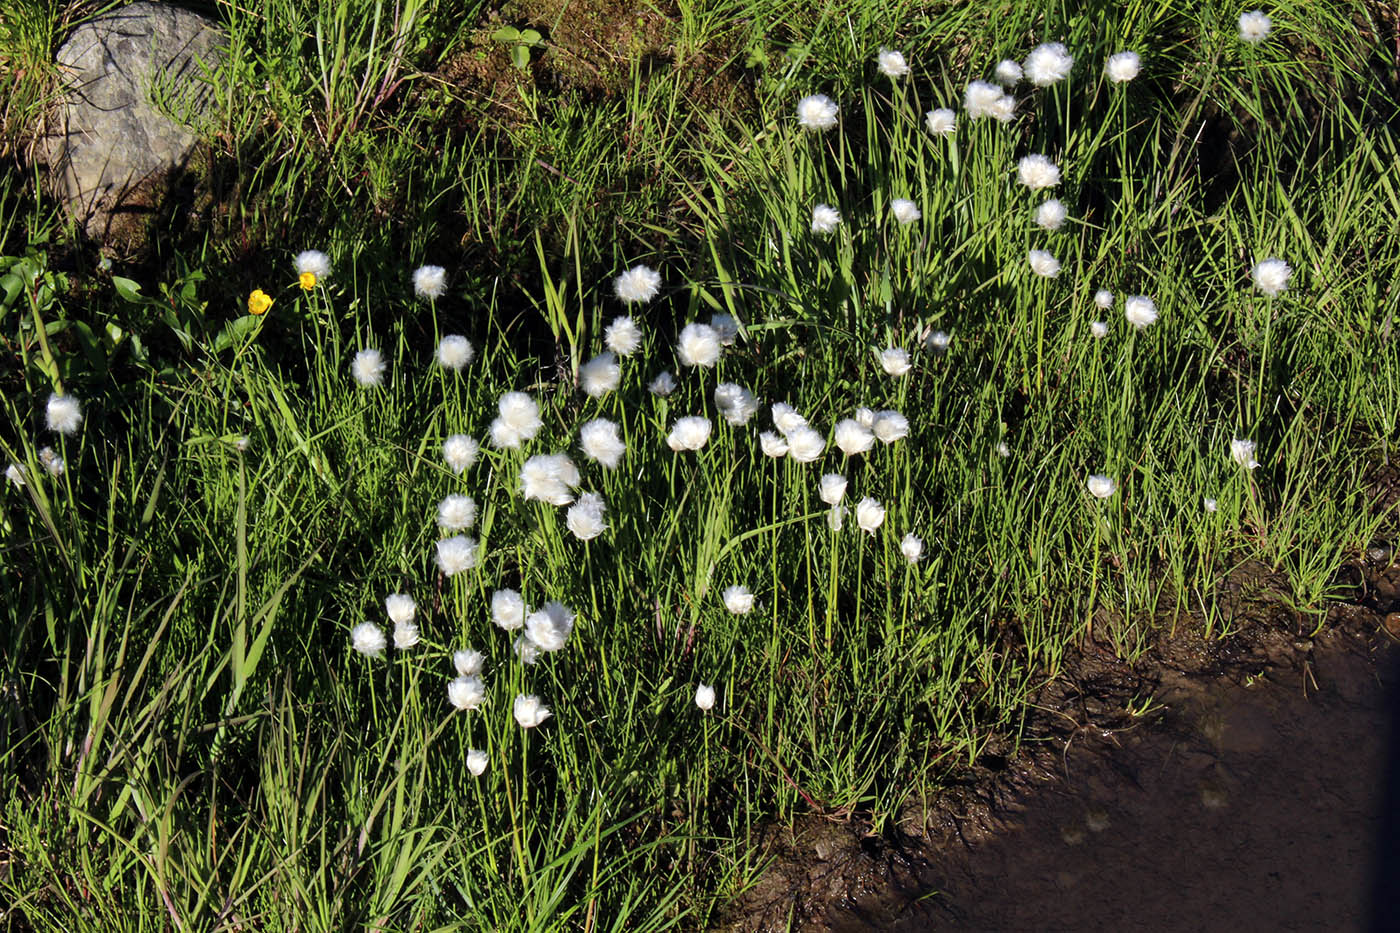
pixel 136 85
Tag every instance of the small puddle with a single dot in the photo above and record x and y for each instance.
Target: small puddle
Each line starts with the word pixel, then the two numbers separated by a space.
pixel 1239 808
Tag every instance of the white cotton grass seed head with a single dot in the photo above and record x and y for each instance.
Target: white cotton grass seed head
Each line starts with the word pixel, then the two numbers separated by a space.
pixel 1043 263
pixel 518 422
pixel 1048 64
pixel 895 361
pixel 16 473
pixel 870 515
pixel 549 478
pixel 984 99
pixel 368 639
pixel 456 513
pixel 1271 276
pixel 832 488
pixel 825 219
pixel 602 443
pixel 1100 486
pixel 586 517
pixel 529 712
pixel 912 547
pixel 456 554
pixel 663 385
pixel 1242 452
pixel 773 445
pixel 938 341
pixel 817 112
pixel 455 352
pixel 738 599
pixel 600 375
pixel 368 368
pixel 1037 172
pixel 313 261
pixel 1099 329
pixel 466 693
pixel 63 414
pixel 1003 450
pixel 623 336
pixel 637 285
pixel 1123 66
pixel 508 610
pixel 891 63
pixel 51 462
pixel 836 517
pixel 705 697
pixel 726 329
pixel 460 451
pixel 400 608
pixel 1103 299
pixel 786 418
pixel 405 635
pixel 1209 504
pixel 941 121
pixel 477 760
pixel 691 432
pixel 468 663
pixel 736 403
pixel 526 650
pixel 905 211
pixel 549 628
pixel 890 426
pixel 1140 311
pixel 805 444
pixel 1051 215
pixel 1008 72
pixel 852 437
pixel 698 345
pixel 430 282
pixel 1255 26
pixel 866 416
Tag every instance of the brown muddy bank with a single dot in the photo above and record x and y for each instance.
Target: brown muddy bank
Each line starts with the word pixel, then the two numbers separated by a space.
pixel 1251 794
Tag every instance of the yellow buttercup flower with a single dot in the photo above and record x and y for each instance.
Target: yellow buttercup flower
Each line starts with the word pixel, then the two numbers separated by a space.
pixel 259 302
pixel 307 280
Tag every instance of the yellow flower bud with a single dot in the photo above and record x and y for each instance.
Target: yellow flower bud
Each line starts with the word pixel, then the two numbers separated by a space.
pixel 259 302
pixel 307 280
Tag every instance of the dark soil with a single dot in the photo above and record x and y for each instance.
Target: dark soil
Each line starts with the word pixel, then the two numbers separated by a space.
pixel 1251 793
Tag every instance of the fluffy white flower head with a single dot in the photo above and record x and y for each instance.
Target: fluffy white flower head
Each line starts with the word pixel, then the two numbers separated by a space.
pixel 585 518
pixel 15 473
pixel 1035 171
pixel 466 693
pixel 773 445
pixel 405 635
pixel 477 761
pixel 368 367
pixel 890 426
pixel 460 452
pixel 912 547
pixel 983 99
pixel 467 663
pixel 550 478
pixel 1271 276
pixel 1123 66
pixel 895 361
pixel 638 284
pixel 1008 72
pixel 941 121
pixel 1043 263
pixel 1140 311
pixel 456 554
pixel 519 420
pixel 456 513
pixel 400 607
pixel 832 488
pixel 53 464
pixel 550 627
pixel 313 261
pixel 698 345
pixel 738 599
pixel 726 328
pixel 836 517
pixel 455 352
pixel 1103 299
pixel 623 336
pixel 736 403
pixel 705 697
pixel 825 219
pixel 1099 329
pixel 529 711
pixel 601 442
pixel 1242 452
pixel 805 444
pixel 869 515
pixel 1100 486
pixel 1051 215
pixel 892 63
pixel 1255 26
pixel 367 639
pixel 786 418
pixel 663 385
pixel 1209 504
pixel 939 341
pixel 1048 64
pixel 853 438
pixel 600 375
pixel 63 414
pixel 905 211
pixel 817 112
pixel 507 610
pixel 689 433
pixel 430 282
